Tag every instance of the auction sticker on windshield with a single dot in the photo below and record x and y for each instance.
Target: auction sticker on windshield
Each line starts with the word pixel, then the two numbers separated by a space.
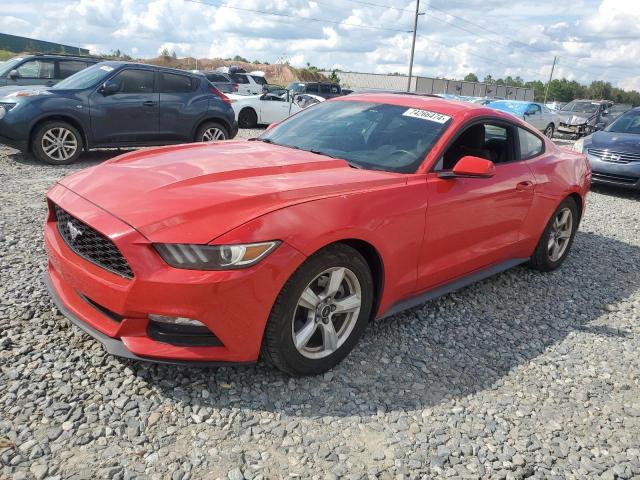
pixel 426 115
pixel 106 68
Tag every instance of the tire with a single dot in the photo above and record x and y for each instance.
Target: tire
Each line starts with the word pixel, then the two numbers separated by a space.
pixel 545 258
pixel 57 143
pixel 247 118
pixel 548 132
pixel 211 132
pixel 313 321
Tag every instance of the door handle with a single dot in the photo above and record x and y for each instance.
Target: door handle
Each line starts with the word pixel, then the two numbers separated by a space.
pixel 524 186
pixel 149 103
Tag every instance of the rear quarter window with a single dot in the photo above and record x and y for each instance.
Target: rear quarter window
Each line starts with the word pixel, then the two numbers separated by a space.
pixel 173 83
pixel 530 144
pixel 239 78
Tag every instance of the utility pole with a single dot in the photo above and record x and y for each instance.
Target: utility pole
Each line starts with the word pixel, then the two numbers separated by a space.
pixel 546 92
pixel 413 43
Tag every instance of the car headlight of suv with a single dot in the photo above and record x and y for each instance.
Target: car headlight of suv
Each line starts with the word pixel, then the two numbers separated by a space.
pixel 4 108
pixel 214 257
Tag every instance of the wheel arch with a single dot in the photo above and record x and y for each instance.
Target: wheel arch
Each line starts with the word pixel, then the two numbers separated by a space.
pixel 252 109
pixel 579 203
pixel 219 120
pixel 61 118
pixel 374 260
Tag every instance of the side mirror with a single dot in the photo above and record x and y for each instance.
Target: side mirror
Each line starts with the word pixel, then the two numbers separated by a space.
pixel 13 74
pixel 470 167
pixel 109 88
pixel 600 126
pixel 605 112
pixel 263 96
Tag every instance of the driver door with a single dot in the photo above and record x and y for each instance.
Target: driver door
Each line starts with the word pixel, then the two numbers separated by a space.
pixel 473 223
pixel 274 107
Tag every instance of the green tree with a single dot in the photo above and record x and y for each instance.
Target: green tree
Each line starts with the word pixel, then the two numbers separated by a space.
pixel 165 52
pixel 333 78
pixel 471 77
pixel 173 54
pixel 488 79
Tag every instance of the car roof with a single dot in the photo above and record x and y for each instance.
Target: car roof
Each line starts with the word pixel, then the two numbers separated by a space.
pixel 60 56
pixel 437 104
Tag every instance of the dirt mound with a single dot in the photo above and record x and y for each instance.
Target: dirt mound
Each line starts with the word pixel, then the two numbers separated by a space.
pixel 276 74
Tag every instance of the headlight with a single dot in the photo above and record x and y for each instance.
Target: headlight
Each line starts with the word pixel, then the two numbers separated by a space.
pixel 4 108
pixel 214 257
pixel 578 146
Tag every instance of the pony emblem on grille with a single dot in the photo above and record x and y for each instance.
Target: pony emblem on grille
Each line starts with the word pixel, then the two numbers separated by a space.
pixel 74 231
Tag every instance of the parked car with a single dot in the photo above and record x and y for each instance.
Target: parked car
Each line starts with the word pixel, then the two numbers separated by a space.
pixel 248 83
pixel 555 105
pixel 41 69
pixel 273 107
pixel 222 81
pixel 322 89
pixel 614 153
pixel 115 104
pixel 579 118
pixel 537 114
pixel 289 245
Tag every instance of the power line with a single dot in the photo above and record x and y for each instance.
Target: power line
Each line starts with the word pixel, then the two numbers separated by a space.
pixel 296 17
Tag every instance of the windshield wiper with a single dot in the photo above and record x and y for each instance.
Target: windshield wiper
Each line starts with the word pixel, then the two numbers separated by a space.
pixel 258 139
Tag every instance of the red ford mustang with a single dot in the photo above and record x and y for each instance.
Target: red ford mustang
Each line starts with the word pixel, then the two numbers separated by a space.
pixel 285 247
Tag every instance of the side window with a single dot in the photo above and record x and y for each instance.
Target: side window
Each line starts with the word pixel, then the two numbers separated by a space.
pixel 324 88
pixel 66 68
pixel 533 109
pixel 217 78
pixel 312 88
pixel 490 141
pixel 134 81
pixel 530 144
pixel 239 78
pixel 40 69
pixel 171 83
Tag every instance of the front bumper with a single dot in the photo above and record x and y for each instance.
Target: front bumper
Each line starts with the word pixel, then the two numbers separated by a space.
pixel 574 130
pixel 234 305
pixel 615 174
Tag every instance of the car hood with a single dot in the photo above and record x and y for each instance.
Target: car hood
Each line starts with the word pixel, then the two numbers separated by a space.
pixel 618 142
pixel 13 90
pixel 195 193
pixel 571 118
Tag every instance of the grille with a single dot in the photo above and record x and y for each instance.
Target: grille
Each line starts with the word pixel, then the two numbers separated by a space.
pixel 91 245
pixel 614 157
pixel 614 178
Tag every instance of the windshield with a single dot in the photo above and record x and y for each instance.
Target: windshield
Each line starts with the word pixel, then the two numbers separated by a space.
pixel 296 87
pixel 580 107
pixel 368 135
pixel 626 123
pixel 6 67
pixel 86 78
pixel 510 107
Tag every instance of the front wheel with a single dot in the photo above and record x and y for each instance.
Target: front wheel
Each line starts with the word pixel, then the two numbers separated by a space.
pixel 57 143
pixel 247 118
pixel 320 313
pixel 211 132
pixel 548 132
pixel 557 238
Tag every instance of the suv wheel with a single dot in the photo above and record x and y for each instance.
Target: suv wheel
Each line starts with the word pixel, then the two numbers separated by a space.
pixel 57 143
pixel 320 313
pixel 211 132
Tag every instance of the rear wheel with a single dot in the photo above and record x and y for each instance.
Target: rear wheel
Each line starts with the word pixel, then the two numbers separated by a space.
pixel 211 132
pixel 548 132
pixel 557 238
pixel 247 118
pixel 57 143
pixel 320 313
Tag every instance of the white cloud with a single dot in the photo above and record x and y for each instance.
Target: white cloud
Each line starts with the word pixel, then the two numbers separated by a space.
pixel 593 38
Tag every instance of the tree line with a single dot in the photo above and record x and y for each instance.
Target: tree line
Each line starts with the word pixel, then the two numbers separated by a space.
pixel 563 90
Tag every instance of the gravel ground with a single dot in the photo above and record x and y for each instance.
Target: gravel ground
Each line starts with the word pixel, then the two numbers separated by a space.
pixel 522 375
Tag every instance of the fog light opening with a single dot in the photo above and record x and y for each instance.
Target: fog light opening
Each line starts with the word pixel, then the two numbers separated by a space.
pixel 175 320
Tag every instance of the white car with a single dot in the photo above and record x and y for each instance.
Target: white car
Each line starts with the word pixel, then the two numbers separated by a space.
pixel 248 83
pixel 272 107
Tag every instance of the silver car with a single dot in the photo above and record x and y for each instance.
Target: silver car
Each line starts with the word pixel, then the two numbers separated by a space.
pixel 537 114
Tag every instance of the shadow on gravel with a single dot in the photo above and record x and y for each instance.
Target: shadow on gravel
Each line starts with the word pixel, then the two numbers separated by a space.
pixel 616 191
pixel 455 346
pixel 87 159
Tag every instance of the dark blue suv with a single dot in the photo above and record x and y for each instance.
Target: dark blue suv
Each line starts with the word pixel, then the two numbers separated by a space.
pixel 115 104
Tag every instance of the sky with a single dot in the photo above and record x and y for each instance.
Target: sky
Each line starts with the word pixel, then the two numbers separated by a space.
pixel 594 39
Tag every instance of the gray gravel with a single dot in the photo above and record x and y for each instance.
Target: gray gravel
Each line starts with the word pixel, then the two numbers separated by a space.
pixel 522 375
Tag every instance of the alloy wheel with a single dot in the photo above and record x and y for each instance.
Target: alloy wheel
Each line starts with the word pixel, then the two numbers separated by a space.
pixel 560 234
pixel 326 313
pixel 59 144
pixel 549 132
pixel 213 134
